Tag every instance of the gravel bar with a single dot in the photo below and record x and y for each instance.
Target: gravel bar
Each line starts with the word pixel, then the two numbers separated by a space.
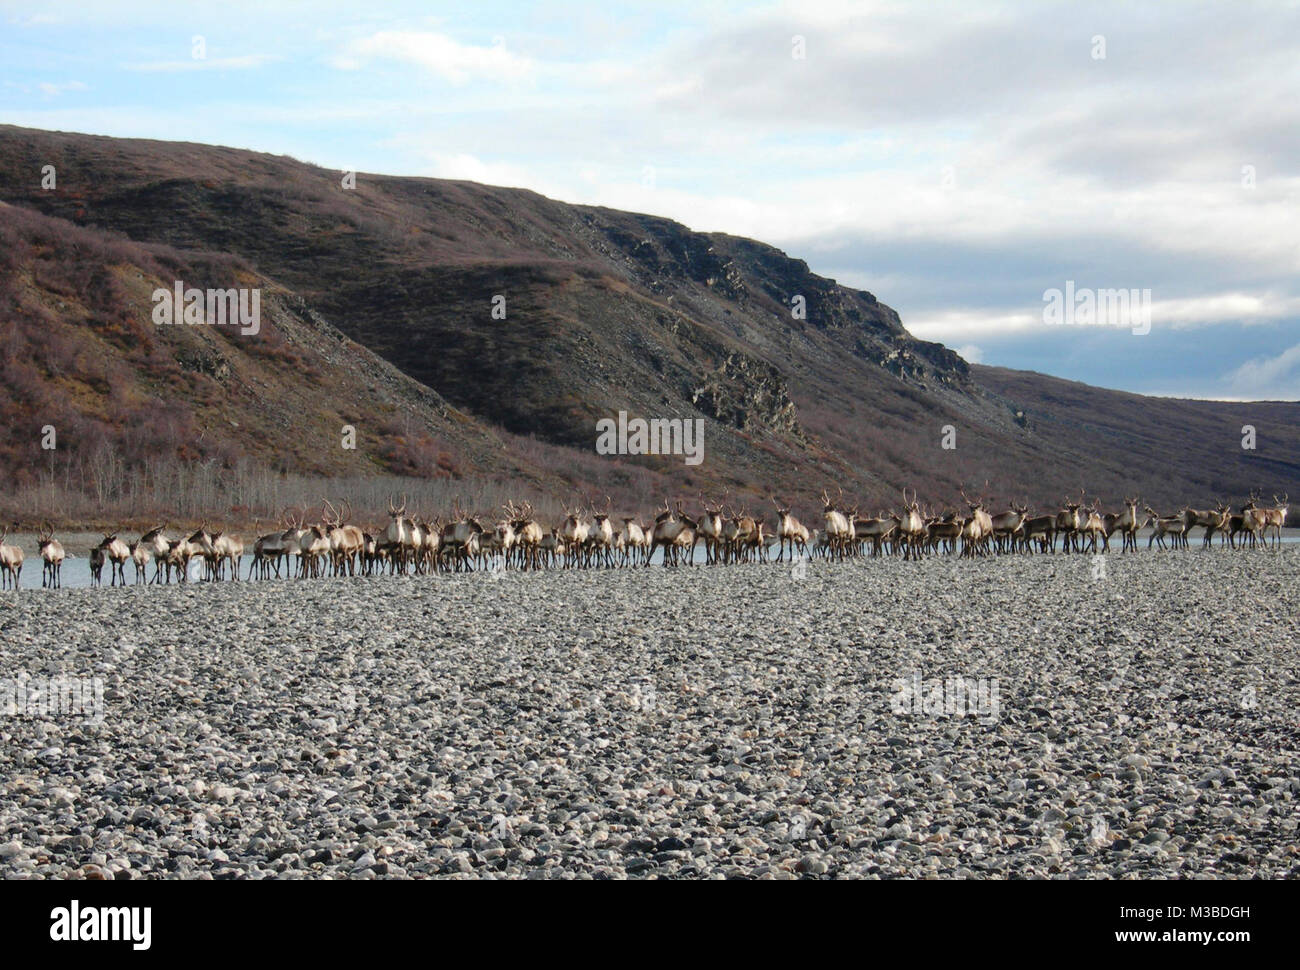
pixel 747 721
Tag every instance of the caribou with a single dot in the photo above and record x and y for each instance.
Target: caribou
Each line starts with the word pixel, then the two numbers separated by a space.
pixel 1212 519
pixel 1275 519
pixel 1041 529
pixel 711 530
pixel 313 548
pixel 636 541
pixel 1253 519
pixel 756 549
pixel 574 532
pixel 140 557
pixel 667 528
pixel 1094 532
pixel 873 530
pixel 430 543
pixel 346 540
pixel 1127 524
pixel 51 557
pixel 117 553
pixel 911 530
pixel 602 536
pixel 270 549
pixel 748 531
pixel 684 541
pixel 978 529
pixel 943 532
pixel 1069 524
pixel 199 546
pixel 528 535
pixel 96 565
pixel 1174 527
pixel 178 559
pixel 461 538
pixel 551 548
pixel 158 546
pixel 396 538
pixel 1008 526
pixel 11 562
pixel 588 537
pixel 226 549
pixel 839 531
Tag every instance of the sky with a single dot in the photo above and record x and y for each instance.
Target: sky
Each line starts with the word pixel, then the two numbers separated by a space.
pixel 960 161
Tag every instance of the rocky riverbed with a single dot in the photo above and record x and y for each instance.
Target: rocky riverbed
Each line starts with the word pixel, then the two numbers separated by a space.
pixel 1032 717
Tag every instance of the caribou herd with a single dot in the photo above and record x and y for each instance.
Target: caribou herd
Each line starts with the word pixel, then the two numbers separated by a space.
pixel 311 543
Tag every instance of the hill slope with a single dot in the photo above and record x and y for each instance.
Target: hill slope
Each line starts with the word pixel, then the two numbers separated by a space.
pixel 609 311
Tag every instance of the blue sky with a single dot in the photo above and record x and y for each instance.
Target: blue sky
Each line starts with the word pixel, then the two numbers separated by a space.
pixel 955 159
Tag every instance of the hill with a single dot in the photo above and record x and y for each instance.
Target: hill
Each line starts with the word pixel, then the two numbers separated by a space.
pixel 380 306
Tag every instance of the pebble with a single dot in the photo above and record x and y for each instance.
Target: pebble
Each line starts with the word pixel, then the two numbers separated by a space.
pixel 520 727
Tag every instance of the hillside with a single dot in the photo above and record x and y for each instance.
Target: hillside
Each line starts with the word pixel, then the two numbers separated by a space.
pixel 381 304
pixel 84 357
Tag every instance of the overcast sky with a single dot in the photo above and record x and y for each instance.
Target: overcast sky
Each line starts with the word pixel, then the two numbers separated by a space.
pixel 956 160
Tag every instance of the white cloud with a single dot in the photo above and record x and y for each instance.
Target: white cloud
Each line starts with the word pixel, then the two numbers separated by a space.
pixel 1224 307
pixel 474 169
pixel 1269 377
pixel 1177 314
pixel 951 325
pixel 438 54
pixel 53 90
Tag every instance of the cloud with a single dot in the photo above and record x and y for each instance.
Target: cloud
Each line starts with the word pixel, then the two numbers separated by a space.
pixel 244 62
pixel 469 167
pixel 971 353
pixel 1272 377
pixel 1177 314
pixel 438 54
pixel 871 64
pixel 52 90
